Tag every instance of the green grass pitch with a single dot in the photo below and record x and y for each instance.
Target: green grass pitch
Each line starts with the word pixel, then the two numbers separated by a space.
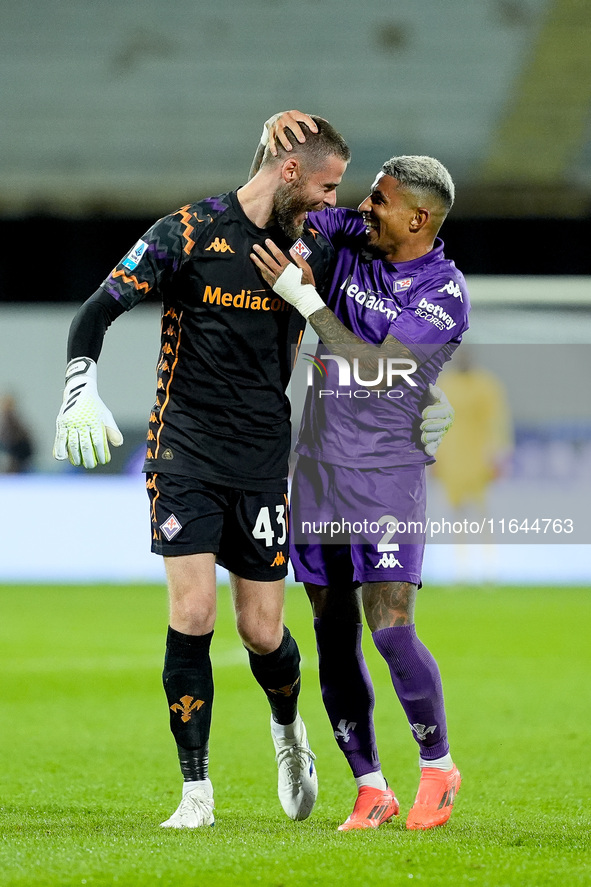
pixel 88 767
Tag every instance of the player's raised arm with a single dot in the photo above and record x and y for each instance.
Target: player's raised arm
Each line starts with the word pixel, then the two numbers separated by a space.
pixel 286 280
pixel 274 134
pixel 290 281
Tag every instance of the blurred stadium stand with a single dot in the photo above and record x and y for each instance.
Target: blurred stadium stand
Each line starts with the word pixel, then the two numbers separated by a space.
pixel 116 113
pixel 133 108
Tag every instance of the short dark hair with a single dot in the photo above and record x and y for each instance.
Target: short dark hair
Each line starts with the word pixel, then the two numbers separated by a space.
pixel 317 148
pixel 422 176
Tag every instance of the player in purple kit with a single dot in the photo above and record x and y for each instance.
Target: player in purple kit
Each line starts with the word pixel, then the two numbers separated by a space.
pixel 395 302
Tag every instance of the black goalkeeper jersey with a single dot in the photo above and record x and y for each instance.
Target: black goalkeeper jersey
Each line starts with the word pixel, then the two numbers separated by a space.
pixel 221 413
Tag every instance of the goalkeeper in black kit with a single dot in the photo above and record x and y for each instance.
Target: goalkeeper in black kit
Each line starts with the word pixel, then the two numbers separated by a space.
pixel 218 441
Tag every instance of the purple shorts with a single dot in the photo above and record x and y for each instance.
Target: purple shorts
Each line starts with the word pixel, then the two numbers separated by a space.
pixel 357 525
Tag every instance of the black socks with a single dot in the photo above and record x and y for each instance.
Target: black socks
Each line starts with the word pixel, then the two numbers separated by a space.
pixel 278 673
pixel 188 684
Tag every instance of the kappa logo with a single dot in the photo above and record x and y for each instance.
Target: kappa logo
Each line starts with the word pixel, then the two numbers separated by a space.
pixel 219 246
pixel 133 258
pixel 453 289
pixel 171 527
pixel 279 560
pixel 301 249
pixel 388 561
pixel 186 706
pixel 344 730
pixel 422 730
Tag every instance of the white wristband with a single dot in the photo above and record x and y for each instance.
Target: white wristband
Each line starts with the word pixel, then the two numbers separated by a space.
pixel 302 296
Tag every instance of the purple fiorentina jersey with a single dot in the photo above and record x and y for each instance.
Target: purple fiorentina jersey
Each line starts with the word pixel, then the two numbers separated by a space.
pixel 424 304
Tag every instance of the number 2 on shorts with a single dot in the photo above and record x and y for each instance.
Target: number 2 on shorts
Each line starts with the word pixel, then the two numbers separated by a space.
pixel 390 522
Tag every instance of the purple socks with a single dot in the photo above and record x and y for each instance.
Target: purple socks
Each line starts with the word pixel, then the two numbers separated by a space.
pixel 349 698
pixel 417 682
pixel 347 692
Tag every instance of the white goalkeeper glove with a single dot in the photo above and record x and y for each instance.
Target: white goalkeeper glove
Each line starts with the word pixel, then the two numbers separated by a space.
pixel 302 296
pixel 438 418
pixel 84 426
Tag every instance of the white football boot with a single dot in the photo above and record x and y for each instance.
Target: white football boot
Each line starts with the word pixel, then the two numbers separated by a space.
pixel 298 782
pixel 195 809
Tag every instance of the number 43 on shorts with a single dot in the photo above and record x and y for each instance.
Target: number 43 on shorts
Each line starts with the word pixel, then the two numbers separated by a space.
pixel 264 528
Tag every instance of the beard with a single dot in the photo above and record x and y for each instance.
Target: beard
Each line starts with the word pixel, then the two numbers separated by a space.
pixel 289 201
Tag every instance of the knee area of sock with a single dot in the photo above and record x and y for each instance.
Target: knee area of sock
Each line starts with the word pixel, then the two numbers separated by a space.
pixel 184 650
pixel 397 644
pixel 396 637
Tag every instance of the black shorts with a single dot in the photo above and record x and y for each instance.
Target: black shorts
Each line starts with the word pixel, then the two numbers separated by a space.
pixel 247 531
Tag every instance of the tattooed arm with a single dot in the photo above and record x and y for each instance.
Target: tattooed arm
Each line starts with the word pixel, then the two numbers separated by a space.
pixel 297 288
pixel 331 331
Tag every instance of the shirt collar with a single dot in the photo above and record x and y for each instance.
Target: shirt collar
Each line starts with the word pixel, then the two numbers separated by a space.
pixel 414 264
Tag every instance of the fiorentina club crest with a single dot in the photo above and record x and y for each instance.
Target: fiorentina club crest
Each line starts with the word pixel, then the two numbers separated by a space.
pixel 401 285
pixel 171 527
pixel 301 249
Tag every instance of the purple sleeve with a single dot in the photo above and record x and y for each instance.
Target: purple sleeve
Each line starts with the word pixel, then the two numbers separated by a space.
pixel 437 313
pixel 337 224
